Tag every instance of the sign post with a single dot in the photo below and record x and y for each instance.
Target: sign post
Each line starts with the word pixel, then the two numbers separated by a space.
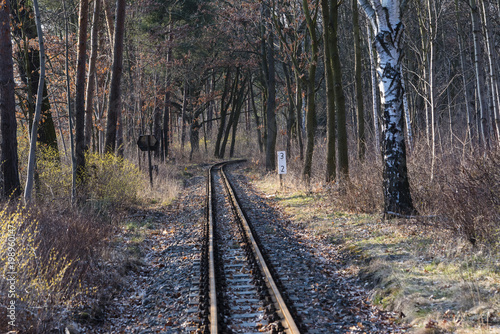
pixel 281 166
pixel 148 143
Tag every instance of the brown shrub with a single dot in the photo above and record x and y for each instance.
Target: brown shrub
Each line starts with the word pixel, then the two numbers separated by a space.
pixel 470 199
pixel 363 192
pixel 55 253
pixel 464 193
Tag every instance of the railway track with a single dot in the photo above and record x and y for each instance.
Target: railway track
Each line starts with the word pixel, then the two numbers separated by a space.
pixel 238 293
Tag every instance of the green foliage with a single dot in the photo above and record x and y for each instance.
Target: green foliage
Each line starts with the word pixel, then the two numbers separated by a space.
pixel 54 177
pixel 112 179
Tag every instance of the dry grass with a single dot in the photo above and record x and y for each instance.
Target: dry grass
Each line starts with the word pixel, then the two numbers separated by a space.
pixel 54 256
pixel 442 272
pixel 166 186
pixel 63 252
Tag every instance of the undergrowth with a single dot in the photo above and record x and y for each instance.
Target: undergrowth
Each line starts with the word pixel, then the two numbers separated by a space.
pixel 46 257
pixel 439 268
pixel 52 253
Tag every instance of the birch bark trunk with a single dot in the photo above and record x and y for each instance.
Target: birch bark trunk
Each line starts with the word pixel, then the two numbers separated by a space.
pixel 385 18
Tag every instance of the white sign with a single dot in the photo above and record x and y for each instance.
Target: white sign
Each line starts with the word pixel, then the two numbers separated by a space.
pixel 281 162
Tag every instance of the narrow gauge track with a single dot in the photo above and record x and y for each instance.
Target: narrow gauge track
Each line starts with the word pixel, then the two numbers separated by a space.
pixel 238 293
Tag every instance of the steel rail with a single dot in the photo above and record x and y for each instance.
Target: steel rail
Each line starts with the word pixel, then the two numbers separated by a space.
pixel 214 314
pixel 287 318
pixel 213 317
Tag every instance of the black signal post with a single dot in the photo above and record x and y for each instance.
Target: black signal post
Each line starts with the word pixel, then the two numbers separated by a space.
pixel 148 143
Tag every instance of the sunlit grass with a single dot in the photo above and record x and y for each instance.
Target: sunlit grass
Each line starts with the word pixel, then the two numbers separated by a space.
pixel 419 270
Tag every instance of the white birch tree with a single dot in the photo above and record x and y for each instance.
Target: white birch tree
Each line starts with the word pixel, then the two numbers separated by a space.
pixel 385 19
pixel 28 190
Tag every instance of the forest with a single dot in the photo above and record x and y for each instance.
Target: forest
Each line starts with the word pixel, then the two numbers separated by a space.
pixel 384 107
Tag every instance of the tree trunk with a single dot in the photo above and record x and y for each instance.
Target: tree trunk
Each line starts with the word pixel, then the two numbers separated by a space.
pixel 423 66
pixel 257 119
pixel 157 130
pixel 38 108
pixel 359 83
pixel 409 132
pixel 331 168
pixel 166 113
pixel 80 93
pixel 92 72
pixel 291 117
pixel 24 26
pixel 432 60
pixel 183 116
pixel 494 98
pixel 300 123
pixel 109 21
pixel 166 120
pixel 120 146
pixel 470 126
pixel 211 105
pixel 270 71
pixel 237 112
pixel 479 68
pixel 375 96
pixel 194 137
pixel 114 104
pixel 68 102
pixel 339 95
pixel 9 162
pixel 223 111
pixel 311 90
pixel 233 118
pixel 388 28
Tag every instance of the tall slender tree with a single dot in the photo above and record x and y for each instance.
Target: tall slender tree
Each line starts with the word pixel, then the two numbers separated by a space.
pixel 80 92
pixel 28 61
pixel 28 190
pixel 432 87
pixel 479 70
pixel 89 95
pixel 494 99
pixel 360 109
pixel 114 104
pixel 375 94
pixel 311 20
pixel 469 118
pixel 340 106
pixel 270 72
pixel 331 166
pixel 9 162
